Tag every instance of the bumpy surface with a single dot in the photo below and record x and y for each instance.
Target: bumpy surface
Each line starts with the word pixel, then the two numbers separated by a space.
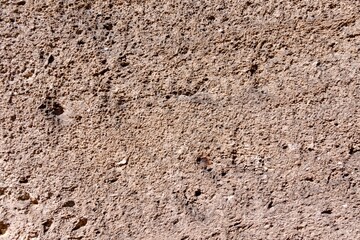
pixel 179 119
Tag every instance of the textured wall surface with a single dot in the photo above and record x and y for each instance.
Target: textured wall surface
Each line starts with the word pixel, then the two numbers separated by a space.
pixel 180 119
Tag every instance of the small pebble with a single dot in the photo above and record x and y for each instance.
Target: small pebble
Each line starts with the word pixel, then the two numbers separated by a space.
pixel 122 162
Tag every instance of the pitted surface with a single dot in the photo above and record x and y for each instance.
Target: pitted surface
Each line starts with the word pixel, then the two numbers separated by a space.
pixel 179 119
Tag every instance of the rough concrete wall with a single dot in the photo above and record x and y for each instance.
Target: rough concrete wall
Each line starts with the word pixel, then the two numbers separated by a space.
pixel 179 119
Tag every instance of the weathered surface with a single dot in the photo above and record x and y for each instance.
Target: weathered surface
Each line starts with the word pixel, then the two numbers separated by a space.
pixel 179 119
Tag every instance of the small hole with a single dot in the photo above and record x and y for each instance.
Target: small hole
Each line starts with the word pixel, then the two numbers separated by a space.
pixel 253 69
pixel 70 203
pixel 124 64
pixel 327 211
pixel 197 193
pixel 24 180
pixel 21 3
pixel 309 179
pixel 24 196
pixel 108 26
pixel 332 6
pixel 47 225
pixel 81 223
pixel 3 227
pixel 352 150
pixel 57 109
pixel 331 45
pixel 51 59
pixel 203 162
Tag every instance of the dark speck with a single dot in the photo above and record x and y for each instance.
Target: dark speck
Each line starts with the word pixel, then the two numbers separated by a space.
pixel 21 3
pixel 70 203
pixel 253 69
pixel 57 109
pixel 197 193
pixel 108 26
pixel 51 59
pixel 327 211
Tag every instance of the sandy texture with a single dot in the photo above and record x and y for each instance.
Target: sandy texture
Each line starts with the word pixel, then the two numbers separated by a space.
pixel 180 119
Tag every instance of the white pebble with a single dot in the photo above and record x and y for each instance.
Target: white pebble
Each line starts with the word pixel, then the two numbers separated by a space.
pixel 122 162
